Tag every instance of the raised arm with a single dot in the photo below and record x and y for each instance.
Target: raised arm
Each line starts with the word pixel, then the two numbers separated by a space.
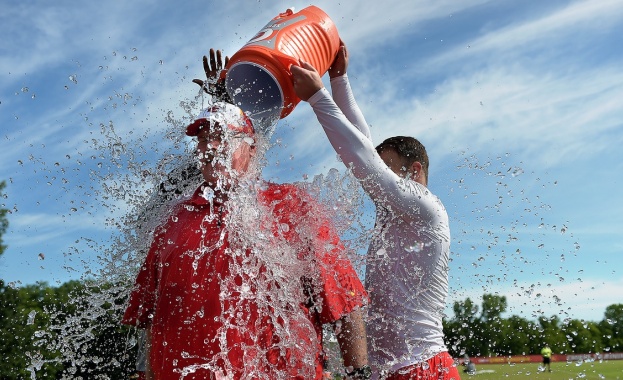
pixel 357 151
pixel 343 94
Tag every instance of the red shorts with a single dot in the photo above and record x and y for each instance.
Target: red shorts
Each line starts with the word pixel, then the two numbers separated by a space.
pixel 439 367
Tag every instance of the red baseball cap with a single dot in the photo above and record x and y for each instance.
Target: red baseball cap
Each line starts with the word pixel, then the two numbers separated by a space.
pixel 225 114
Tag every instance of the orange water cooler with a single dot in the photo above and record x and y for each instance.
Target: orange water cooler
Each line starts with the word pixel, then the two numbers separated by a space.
pixel 258 76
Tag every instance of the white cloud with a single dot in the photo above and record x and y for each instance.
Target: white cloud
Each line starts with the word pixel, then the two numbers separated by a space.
pixel 363 25
pixel 547 118
pixel 585 299
pixel 565 28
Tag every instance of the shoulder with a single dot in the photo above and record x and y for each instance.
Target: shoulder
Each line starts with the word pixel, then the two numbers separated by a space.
pixel 285 193
pixel 292 202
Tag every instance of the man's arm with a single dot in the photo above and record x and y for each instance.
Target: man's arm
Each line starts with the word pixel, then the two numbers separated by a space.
pixel 343 94
pixel 357 151
pixel 351 336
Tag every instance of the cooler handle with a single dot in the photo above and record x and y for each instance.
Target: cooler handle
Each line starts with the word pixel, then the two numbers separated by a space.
pixel 288 12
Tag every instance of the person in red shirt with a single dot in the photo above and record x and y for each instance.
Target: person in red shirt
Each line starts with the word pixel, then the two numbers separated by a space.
pixel 241 277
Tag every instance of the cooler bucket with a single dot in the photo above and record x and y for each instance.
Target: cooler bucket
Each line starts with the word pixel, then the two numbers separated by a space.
pixel 258 76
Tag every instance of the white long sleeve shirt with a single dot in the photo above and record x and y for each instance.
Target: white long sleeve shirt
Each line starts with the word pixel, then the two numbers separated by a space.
pixel 407 261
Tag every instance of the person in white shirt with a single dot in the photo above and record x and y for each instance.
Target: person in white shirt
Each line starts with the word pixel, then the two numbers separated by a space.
pixel 407 262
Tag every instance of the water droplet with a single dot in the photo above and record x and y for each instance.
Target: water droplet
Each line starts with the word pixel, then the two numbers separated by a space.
pixel 415 247
pixel 517 172
pixel 31 317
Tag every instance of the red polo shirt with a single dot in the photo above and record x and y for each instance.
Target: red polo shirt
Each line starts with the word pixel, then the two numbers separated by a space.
pixel 217 310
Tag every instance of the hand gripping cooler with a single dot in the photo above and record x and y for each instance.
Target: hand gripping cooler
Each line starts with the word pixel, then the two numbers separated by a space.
pixel 258 76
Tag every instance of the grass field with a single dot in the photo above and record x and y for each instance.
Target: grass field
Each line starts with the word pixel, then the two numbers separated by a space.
pixel 560 371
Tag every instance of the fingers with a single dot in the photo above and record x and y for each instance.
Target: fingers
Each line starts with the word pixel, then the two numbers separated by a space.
pixel 296 71
pixel 213 59
pixel 306 65
pixel 206 66
pixel 201 84
pixel 219 60
pixel 215 64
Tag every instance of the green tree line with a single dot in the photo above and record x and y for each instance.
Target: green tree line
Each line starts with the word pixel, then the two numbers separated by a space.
pixel 56 332
pixel 482 331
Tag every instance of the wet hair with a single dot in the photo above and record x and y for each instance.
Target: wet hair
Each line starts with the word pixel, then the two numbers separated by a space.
pixel 409 149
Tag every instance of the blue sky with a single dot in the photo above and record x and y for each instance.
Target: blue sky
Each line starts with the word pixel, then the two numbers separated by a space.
pixel 518 102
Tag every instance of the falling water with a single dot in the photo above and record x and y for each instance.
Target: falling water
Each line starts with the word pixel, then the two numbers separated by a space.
pixel 85 333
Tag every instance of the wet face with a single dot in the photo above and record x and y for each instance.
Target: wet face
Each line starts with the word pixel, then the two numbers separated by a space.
pixel 222 156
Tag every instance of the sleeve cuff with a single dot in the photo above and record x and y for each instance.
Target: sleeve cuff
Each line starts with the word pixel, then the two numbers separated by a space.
pixel 318 96
pixel 342 79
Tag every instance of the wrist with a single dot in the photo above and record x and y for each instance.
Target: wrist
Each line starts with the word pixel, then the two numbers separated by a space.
pixel 339 79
